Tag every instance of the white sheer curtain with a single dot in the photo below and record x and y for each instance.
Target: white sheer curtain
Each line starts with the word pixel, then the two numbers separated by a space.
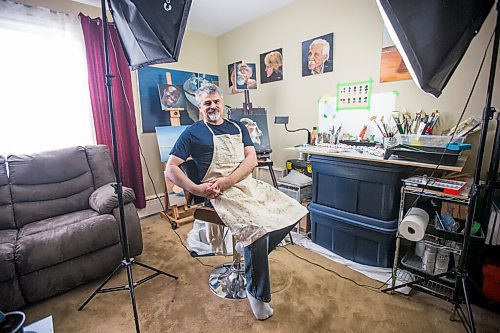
pixel 45 100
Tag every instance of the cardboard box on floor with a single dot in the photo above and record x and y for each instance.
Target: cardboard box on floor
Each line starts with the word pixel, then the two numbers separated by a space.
pixel 458 211
pixel 304 226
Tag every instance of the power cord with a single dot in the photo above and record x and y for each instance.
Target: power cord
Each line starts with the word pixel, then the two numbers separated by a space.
pixel 338 274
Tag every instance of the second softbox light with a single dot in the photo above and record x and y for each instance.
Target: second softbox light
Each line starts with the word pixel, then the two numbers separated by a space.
pixel 150 31
pixel 433 35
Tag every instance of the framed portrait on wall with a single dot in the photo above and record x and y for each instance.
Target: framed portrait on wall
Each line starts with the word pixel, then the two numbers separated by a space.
pixel 392 66
pixel 317 55
pixel 271 66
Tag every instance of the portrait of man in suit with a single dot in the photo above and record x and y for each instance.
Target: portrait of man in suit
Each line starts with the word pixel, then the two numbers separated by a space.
pixel 317 55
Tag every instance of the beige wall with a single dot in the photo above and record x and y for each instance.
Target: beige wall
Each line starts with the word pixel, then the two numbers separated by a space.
pixel 357 27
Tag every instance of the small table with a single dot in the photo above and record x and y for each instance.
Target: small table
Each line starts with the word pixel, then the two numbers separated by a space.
pixel 44 325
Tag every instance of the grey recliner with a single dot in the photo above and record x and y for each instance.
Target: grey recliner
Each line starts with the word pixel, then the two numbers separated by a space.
pixel 59 223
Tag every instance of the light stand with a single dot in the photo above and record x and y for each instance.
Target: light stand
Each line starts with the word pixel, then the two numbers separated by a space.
pixel 127 261
pixel 460 273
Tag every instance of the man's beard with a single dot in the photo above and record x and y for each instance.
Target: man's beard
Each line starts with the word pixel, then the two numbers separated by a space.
pixel 213 114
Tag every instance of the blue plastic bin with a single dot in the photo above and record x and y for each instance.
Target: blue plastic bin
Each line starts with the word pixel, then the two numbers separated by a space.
pixel 358 238
pixel 361 187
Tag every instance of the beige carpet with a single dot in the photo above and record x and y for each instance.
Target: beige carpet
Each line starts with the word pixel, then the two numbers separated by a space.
pixel 305 298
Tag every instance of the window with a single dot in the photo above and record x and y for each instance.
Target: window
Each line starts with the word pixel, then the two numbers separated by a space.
pixel 45 101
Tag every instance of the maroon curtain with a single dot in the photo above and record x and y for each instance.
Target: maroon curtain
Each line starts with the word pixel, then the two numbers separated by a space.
pixel 123 104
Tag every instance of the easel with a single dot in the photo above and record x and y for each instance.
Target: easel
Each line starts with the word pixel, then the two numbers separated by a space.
pixel 177 214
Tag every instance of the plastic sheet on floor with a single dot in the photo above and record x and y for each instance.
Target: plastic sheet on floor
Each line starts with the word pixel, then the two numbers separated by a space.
pixel 198 243
pixel 376 273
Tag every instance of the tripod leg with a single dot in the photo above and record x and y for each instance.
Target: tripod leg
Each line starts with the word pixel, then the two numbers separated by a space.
pixel 100 287
pixel 156 270
pixel 474 285
pixel 468 306
pixel 132 296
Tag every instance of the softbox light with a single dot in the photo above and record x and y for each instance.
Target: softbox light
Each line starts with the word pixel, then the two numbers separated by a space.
pixel 433 35
pixel 150 31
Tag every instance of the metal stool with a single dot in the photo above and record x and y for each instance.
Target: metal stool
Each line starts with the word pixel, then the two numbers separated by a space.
pixel 226 281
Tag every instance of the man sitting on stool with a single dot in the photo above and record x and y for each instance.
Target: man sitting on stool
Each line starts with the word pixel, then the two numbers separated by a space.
pixel 258 215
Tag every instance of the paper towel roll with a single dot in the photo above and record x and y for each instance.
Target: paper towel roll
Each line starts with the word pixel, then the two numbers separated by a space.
pixel 414 224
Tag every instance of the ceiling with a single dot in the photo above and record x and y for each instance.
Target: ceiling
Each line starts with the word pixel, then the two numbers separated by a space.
pixel 216 17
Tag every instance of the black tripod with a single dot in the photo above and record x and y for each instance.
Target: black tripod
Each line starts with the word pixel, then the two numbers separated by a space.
pixel 127 261
pixel 460 273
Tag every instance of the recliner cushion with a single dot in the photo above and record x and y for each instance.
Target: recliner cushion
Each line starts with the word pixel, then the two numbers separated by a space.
pixel 7 248
pixel 101 165
pixel 6 212
pixel 54 240
pixel 50 183
pixel 104 199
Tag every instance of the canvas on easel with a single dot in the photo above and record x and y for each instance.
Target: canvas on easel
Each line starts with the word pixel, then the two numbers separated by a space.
pixel 256 123
pixel 177 210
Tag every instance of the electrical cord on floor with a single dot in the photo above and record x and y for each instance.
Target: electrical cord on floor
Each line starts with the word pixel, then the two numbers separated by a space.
pixel 201 262
pixel 338 274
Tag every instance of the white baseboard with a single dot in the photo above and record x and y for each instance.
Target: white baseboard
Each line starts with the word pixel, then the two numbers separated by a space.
pixel 153 206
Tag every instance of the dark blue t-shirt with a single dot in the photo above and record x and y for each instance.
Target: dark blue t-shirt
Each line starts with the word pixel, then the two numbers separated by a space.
pixel 196 141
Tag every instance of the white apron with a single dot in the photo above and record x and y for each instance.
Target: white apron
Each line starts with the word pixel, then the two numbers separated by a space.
pixel 250 208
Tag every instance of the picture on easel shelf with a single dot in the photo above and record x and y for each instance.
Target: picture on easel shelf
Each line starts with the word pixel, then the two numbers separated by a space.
pixel 271 66
pixel 245 76
pixel 392 66
pixel 166 137
pixel 317 55
pixel 231 78
pixel 256 123
pixel 354 95
pixel 171 97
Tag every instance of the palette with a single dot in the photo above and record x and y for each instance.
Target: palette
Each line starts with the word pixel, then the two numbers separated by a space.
pixel 437 184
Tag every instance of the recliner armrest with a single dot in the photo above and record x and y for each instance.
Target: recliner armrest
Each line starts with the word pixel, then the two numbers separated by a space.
pixel 104 199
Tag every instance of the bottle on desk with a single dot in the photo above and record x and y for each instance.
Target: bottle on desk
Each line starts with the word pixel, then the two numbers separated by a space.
pixel 314 136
